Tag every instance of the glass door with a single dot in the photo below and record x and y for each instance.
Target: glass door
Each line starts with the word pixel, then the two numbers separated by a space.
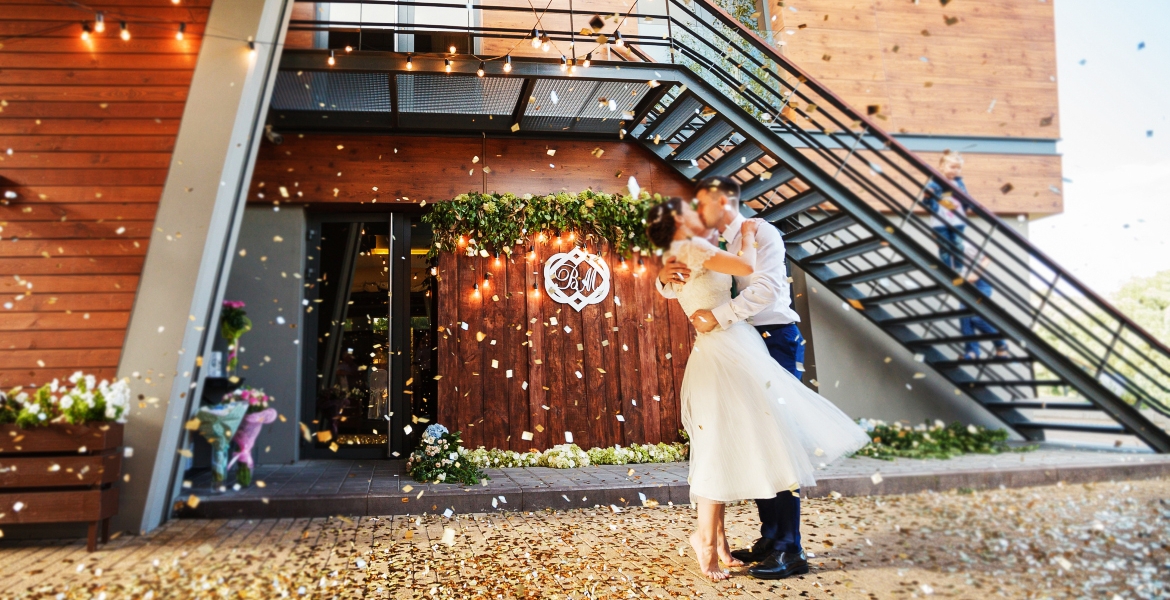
pixel 352 388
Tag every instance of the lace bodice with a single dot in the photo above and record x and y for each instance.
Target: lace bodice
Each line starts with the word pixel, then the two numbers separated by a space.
pixel 705 289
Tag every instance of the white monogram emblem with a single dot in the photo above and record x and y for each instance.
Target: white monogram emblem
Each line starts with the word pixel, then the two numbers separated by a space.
pixel 576 278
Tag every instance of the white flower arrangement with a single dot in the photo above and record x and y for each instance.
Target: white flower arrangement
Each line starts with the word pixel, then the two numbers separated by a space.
pixel 569 456
pixel 87 401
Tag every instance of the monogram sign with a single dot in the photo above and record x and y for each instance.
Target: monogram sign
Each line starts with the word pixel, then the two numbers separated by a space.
pixel 576 278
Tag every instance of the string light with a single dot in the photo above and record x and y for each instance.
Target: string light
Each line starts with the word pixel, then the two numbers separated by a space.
pixel 251 48
pixel 332 59
pixel 564 63
pixel 451 49
pixel 99 22
pixel 623 265
pixel 532 252
pixel 641 265
pixel 486 282
pixel 182 32
pixel 535 36
pixel 475 290
pixel 85 31
pixel 535 291
pixel 448 64
pixel 619 42
pixel 588 59
pixel 497 259
pixel 125 32
pixel 349 49
pixel 545 42
pixel 480 73
pixel 409 63
pixel 508 63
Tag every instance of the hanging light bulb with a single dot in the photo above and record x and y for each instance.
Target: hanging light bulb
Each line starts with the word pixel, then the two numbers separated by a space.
pixel 125 32
pixel 641 265
pixel 451 49
pixel 497 259
pixel 251 48
pixel 332 59
pixel 448 64
pixel 535 36
pixel 619 42
pixel 475 290
pixel 532 252
pixel 182 32
pixel 99 22
pixel 588 59
pixel 545 42
pixel 564 63
pixel 85 31
pixel 486 282
pixel 409 63
pixel 535 291
pixel 508 63
pixel 623 265
pixel 480 70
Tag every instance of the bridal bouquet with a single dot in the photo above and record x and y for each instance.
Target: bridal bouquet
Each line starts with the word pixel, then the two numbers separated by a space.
pixel 441 458
pixel 82 400
pixel 257 415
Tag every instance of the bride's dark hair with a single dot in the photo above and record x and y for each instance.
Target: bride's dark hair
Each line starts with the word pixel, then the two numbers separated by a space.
pixel 660 221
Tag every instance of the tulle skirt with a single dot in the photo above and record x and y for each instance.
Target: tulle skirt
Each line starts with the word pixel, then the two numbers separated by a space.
pixel 755 429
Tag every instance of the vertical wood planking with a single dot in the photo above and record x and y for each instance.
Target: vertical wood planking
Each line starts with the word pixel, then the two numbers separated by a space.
pixel 448 318
pixel 647 346
pixel 471 355
pixel 596 413
pixel 495 385
pixel 533 322
pixel 626 307
pixel 610 360
pixel 516 354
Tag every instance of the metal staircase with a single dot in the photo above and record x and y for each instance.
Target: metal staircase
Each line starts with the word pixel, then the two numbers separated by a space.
pixel 710 97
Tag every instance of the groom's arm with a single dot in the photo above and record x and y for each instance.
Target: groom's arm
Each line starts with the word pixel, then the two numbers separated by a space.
pixel 768 283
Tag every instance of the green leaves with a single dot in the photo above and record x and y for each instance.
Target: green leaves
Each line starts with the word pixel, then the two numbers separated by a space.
pixel 497 222
pixel 934 441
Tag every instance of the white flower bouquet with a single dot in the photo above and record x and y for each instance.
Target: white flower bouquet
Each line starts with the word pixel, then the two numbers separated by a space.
pixel 83 399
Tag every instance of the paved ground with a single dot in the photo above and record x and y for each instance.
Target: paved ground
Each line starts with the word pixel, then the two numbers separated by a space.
pixel 322 488
pixel 1107 540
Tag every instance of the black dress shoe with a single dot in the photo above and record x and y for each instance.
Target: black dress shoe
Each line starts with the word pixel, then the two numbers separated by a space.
pixel 759 551
pixel 779 565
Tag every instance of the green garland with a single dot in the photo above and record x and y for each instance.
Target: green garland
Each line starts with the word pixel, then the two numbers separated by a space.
pixel 490 223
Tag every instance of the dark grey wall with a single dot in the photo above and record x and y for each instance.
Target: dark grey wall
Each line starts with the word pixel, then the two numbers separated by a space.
pixel 267 279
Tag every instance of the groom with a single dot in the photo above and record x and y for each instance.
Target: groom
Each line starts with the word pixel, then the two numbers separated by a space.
pixel 762 299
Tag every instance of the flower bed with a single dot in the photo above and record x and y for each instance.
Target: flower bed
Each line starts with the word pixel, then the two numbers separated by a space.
pixel 933 440
pixel 569 456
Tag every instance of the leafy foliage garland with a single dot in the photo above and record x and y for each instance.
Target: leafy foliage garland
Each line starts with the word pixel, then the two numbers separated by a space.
pixel 490 223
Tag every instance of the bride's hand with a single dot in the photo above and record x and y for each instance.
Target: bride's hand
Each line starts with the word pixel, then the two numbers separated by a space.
pixel 750 227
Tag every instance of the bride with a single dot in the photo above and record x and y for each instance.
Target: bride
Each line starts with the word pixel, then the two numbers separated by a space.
pixel 755 430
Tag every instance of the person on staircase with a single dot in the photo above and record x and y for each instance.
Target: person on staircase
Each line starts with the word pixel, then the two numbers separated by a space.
pixel 948 219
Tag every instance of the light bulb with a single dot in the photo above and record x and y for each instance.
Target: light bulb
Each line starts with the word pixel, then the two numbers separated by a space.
pixel 619 42
pixel 349 48
pixel 588 59
pixel 182 31
pixel 480 73
pixel 545 42
pixel 451 49
pixel 99 24
pixel 448 64
pixel 125 32
pixel 85 31
pixel 508 63
pixel 332 59
pixel 535 36
pixel 409 63
pixel 564 63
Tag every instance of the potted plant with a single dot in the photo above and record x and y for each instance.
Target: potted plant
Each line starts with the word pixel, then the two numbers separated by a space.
pixel 60 449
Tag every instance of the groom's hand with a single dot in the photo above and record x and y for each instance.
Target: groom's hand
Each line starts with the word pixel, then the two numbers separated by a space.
pixel 703 320
pixel 673 270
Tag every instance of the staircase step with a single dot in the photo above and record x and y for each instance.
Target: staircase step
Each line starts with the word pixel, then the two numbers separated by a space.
pixel 702 141
pixel 962 339
pixel 846 251
pixel 1081 427
pixel 925 318
pixel 679 113
pixel 1034 404
pixel 862 276
pixel 738 159
pixel 922 292
pixel 822 227
pixel 794 206
pixel 991 360
pixel 758 186
pixel 1013 383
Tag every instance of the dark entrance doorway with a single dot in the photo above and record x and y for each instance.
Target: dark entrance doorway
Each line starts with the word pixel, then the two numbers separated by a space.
pixel 368 358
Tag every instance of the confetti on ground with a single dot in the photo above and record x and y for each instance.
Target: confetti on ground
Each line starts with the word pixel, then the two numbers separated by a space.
pixel 1095 540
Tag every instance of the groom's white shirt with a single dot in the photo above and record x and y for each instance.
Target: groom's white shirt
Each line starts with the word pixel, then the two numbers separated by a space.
pixel 764 296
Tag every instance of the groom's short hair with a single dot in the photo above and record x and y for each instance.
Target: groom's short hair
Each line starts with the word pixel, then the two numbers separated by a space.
pixel 725 186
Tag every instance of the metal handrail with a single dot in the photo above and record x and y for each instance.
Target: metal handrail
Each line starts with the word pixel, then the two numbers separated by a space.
pixel 759 73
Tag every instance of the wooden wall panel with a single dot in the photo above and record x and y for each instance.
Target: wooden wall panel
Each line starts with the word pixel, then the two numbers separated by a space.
pixel 888 52
pixel 91 127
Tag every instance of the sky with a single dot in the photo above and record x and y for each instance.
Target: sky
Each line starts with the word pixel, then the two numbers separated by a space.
pixel 1116 220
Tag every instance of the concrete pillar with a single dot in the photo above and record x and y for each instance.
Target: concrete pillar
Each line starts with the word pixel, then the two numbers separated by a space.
pixel 176 310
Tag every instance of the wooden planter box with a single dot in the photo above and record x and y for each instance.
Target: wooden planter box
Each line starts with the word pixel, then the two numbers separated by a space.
pixel 61 474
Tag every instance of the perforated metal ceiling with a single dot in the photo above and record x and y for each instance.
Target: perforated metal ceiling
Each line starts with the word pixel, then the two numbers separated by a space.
pixel 332 91
pixel 458 94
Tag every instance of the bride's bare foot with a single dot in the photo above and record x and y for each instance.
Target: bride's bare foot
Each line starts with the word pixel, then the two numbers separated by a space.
pixel 725 553
pixel 708 561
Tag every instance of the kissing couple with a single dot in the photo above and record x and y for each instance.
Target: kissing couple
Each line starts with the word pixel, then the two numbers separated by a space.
pixel 755 429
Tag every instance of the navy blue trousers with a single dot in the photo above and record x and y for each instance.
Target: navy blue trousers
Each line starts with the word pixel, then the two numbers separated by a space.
pixel 780 516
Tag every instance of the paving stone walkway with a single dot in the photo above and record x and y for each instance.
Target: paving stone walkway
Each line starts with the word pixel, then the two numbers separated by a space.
pixel 322 488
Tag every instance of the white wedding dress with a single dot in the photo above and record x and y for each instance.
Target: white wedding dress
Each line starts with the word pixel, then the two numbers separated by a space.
pixel 755 429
